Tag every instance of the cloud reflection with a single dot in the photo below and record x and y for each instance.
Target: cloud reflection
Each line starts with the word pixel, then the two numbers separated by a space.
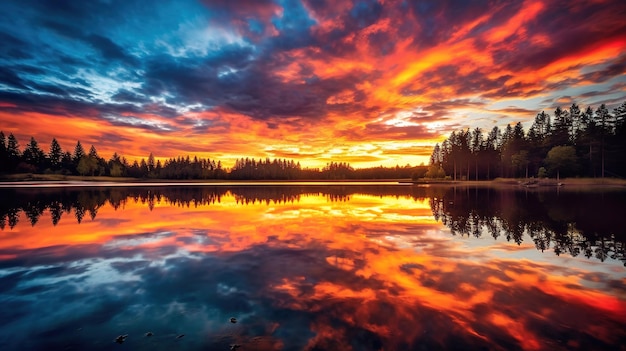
pixel 306 275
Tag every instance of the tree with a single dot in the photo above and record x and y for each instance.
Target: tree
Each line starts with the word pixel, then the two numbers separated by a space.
pixel 619 115
pixel 575 116
pixel 562 126
pixel 116 166
pixel 13 152
pixel 603 121
pixel 33 155
pixel 79 152
pixel 542 173
pixel 93 152
pixel 435 171
pixel 618 166
pixel 562 159
pixel 87 166
pixel 476 148
pixel 100 163
pixel 436 157
pixel 55 154
pixel 519 161
pixel 491 148
pixel 67 165
pixel 3 153
pixel 151 164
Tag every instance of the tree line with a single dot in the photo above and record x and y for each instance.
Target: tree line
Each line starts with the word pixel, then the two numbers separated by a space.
pixel 572 142
pixel 33 159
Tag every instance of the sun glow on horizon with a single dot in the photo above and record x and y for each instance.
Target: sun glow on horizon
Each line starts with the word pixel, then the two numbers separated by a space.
pixel 315 83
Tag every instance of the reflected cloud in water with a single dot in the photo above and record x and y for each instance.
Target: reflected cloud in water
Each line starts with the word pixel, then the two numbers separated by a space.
pixel 304 268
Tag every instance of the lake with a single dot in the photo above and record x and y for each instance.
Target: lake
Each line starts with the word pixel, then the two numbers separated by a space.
pixel 312 267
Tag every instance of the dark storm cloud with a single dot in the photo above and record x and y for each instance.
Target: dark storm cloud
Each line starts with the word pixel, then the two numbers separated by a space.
pixel 437 21
pixel 462 83
pixel 232 79
pixel 13 47
pixel 595 23
pixel 11 79
pixel 365 13
pixel 107 49
pixel 615 69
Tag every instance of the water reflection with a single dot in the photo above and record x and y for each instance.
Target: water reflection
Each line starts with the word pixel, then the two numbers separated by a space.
pixel 566 223
pixel 588 223
pixel 307 268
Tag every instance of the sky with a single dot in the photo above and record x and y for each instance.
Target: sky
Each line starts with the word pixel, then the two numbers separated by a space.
pixel 366 82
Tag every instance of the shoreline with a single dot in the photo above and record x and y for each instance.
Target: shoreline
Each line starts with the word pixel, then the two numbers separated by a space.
pixel 46 180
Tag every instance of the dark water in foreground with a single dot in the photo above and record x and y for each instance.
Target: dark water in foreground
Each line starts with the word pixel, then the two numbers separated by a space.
pixel 312 268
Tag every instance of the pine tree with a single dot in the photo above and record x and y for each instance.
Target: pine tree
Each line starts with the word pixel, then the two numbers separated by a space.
pixel 13 149
pixel 79 152
pixel 151 164
pixel 93 153
pixel 33 154
pixel 603 121
pixel 55 154
pixel 3 153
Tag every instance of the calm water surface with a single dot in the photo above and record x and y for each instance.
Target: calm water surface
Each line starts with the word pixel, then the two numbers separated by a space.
pixel 312 268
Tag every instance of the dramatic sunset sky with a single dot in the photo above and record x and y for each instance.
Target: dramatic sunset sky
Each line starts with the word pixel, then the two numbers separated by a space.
pixel 367 82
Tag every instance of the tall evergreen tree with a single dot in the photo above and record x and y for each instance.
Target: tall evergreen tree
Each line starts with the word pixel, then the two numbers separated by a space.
pixel 151 164
pixel 561 127
pixel 33 155
pixel 476 148
pixel 93 152
pixel 79 152
pixel 13 149
pixel 3 153
pixel 619 115
pixel 55 154
pixel 603 122
pixel 575 116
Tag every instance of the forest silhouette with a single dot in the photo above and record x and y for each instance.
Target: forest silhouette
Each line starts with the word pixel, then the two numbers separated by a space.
pixel 571 142
pixel 79 162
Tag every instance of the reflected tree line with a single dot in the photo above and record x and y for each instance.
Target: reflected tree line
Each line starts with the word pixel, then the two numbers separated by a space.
pixel 86 202
pixel 587 223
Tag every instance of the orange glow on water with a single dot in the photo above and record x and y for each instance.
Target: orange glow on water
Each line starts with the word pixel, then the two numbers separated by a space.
pixel 391 255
